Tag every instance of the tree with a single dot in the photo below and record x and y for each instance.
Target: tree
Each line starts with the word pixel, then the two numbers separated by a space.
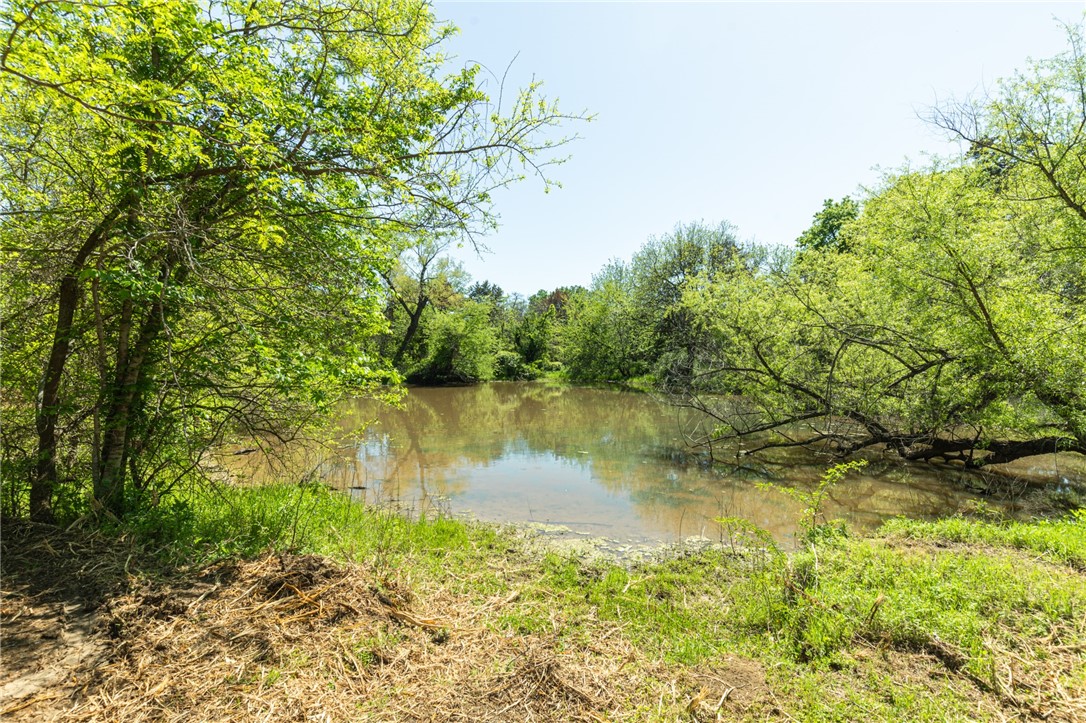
pixel 660 273
pixel 1030 136
pixel 486 291
pixel 632 321
pixel 543 301
pixel 602 339
pixel 825 231
pixel 460 346
pixel 955 327
pixel 421 278
pixel 943 334
pixel 197 202
pixel 533 337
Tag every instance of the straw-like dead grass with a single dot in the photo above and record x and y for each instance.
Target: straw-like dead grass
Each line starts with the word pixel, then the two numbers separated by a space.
pixel 94 631
pixel 288 637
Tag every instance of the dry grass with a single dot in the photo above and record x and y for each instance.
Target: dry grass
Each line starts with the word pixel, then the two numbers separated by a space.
pixel 1044 678
pixel 93 630
pixel 287 637
pixel 297 638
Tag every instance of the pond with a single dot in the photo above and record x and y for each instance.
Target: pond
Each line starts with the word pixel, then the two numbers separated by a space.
pixel 605 463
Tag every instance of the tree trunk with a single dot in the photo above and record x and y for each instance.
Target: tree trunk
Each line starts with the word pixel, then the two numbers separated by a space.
pixel 127 392
pixel 115 428
pixel 45 478
pixel 122 405
pixel 412 328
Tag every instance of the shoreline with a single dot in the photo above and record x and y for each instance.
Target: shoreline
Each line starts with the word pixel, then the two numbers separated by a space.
pixel 377 618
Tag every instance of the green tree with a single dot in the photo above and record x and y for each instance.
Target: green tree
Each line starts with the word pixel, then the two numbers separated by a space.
pixel 533 338
pixel 944 334
pixel 423 278
pixel 197 201
pixel 486 291
pixel 460 346
pixel 602 339
pixel 955 328
pixel 1030 136
pixel 542 301
pixel 660 273
pixel 633 322
pixel 825 232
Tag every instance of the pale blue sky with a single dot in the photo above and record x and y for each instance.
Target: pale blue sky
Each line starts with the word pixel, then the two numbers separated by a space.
pixel 748 112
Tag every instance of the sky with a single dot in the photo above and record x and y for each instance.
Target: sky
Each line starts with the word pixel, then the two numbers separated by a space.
pixel 752 113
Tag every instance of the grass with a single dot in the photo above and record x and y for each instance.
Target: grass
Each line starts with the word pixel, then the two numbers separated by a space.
pixel 958 619
pixel 229 522
pixel 1061 540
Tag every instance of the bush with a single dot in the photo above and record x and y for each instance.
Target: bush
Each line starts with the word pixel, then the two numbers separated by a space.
pixel 509 366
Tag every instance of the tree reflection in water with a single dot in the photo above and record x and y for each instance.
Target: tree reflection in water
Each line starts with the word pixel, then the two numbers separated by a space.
pixel 599 461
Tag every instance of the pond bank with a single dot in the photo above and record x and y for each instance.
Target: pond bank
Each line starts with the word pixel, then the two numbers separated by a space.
pixel 373 617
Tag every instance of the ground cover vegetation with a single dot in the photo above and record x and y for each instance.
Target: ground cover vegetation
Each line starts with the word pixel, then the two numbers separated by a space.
pixel 285 601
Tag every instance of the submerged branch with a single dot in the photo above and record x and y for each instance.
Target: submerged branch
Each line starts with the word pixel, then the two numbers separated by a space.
pixel 860 432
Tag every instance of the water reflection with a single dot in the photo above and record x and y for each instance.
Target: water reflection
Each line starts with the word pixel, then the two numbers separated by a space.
pixel 598 461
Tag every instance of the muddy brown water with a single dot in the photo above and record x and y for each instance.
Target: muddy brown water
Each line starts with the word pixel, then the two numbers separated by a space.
pixel 613 464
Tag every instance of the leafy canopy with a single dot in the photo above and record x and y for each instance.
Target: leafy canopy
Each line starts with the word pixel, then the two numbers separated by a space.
pixel 199 199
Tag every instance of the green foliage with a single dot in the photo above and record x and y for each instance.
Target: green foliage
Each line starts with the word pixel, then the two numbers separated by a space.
pixel 602 340
pixel 509 366
pixel 812 522
pixel 926 598
pixel 947 332
pixel 1027 137
pixel 423 283
pixel 486 291
pixel 827 230
pixel 209 199
pixel 543 301
pixel 818 606
pixel 632 321
pixel 841 590
pixel 630 325
pixel 428 298
pixel 460 346
pixel 532 338
pixel 742 535
pixel 661 271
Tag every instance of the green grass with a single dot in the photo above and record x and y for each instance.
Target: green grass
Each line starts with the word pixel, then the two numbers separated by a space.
pixel 962 598
pixel 1057 540
pixel 829 624
pixel 224 522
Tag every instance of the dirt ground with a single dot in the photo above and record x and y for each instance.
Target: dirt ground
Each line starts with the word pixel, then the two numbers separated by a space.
pixel 53 587
pixel 93 630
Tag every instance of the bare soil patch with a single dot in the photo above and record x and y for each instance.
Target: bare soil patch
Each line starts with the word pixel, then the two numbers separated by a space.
pixel 52 585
